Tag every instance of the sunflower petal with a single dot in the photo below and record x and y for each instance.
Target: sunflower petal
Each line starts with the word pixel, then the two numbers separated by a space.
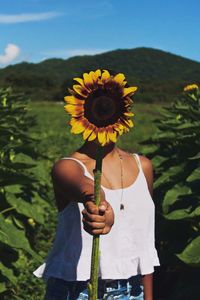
pixel 88 80
pixel 129 91
pixel 119 78
pixel 124 125
pixel 129 114
pixel 105 75
pixel 129 122
pixel 92 75
pixel 73 100
pixel 79 80
pixel 97 73
pixel 128 100
pixel 72 121
pixel 102 137
pixel 119 128
pixel 78 127
pixel 92 136
pixel 112 135
pixel 95 78
pixel 107 138
pixel 87 132
pixel 71 109
pixel 80 90
pixel 74 110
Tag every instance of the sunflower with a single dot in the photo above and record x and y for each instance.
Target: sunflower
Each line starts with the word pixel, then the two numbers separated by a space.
pixel 100 106
pixel 190 87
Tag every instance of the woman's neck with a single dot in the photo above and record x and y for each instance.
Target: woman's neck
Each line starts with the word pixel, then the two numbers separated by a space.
pixel 90 149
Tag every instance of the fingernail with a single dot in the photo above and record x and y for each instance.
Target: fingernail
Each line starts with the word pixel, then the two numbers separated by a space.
pixel 102 207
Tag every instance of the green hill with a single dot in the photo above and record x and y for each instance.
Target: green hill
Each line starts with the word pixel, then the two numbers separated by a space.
pixel 159 75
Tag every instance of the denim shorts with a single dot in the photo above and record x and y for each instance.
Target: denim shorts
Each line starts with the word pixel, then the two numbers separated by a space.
pixel 59 289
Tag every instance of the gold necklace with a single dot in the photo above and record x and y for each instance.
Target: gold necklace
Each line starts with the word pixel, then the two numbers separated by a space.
pixel 122 181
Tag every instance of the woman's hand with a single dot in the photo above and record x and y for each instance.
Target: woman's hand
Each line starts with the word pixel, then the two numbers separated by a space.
pixel 70 184
pixel 97 220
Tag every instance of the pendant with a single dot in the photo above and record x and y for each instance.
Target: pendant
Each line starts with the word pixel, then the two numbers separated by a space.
pixel 121 206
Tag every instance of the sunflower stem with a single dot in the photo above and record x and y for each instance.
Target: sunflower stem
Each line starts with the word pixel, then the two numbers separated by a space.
pixel 93 284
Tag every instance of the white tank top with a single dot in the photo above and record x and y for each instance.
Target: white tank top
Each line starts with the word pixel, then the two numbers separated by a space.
pixel 127 250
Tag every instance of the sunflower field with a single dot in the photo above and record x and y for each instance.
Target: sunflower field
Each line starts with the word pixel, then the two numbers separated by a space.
pixel 175 149
pixel 22 192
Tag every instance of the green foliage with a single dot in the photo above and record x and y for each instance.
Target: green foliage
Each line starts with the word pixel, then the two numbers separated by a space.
pixel 190 254
pixel 158 74
pixel 22 208
pixel 175 153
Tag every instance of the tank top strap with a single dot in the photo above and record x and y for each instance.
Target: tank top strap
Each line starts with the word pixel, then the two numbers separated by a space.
pixel 137 158
pixel 82 165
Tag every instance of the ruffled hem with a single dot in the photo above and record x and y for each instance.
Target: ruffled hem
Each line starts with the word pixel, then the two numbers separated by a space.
pixel 109 269
pixel 40 271
pixel 127 267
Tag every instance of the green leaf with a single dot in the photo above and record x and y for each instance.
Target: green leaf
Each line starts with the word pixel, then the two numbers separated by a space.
pixel 158 160
pixel 15 238
pixel 172 196
pixel 195 175
pixel 190 126
pixel 164 136
pixel 186 213
pixel 21 157
pixel 196 212
pixel 20 166
pixel 12 178
pixel 148 149
pixel 14 188
pixel 22 262
pixel 2 287
pixel 30 210
pixel 167 175
pixel 8 273
pixel 190 254
pixel 178 214
pixel 197 156
pixel 18 223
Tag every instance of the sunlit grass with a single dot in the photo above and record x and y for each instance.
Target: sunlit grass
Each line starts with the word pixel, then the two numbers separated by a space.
pixel 54 132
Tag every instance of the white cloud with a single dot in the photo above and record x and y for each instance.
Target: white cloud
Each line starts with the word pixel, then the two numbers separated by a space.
pixel 11 52
pixel 21 18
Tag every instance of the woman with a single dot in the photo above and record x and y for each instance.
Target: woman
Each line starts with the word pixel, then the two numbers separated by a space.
pixel 124 220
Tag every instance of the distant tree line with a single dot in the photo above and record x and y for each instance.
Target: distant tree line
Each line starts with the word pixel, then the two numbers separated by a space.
pixel 159 75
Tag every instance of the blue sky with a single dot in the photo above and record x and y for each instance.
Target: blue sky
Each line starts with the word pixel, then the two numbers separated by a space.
pixel 34 30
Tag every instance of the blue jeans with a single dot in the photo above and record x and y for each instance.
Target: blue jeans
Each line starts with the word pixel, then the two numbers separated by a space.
pixel 59 289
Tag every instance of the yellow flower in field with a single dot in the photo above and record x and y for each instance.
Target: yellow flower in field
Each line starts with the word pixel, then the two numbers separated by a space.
pixel 191 87
pixel 100 106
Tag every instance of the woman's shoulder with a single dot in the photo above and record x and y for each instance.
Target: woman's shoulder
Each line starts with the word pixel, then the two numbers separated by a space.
pixel 66 167
pixel 145 163
pixel 147 169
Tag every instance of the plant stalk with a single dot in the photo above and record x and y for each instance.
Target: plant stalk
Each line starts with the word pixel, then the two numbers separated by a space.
pixel 93 284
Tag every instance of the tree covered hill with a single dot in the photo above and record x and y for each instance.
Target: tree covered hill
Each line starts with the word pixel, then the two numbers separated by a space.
pixel 159 75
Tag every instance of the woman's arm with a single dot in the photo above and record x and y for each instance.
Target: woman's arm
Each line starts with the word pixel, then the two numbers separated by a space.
pixel 147 280
pixel 70 184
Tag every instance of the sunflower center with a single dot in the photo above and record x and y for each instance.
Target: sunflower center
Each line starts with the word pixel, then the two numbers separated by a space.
pixel 103 107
